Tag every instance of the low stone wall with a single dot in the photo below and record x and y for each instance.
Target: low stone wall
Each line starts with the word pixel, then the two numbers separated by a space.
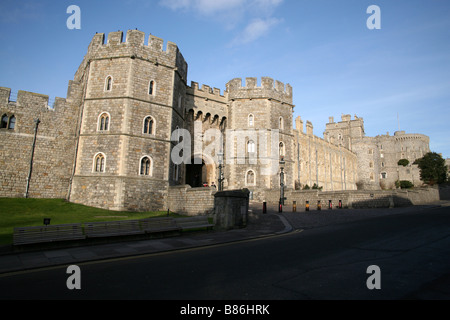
pixel 191 201
pixel 231 209
pixel 120 193
pixel 444 192
pixel 350 199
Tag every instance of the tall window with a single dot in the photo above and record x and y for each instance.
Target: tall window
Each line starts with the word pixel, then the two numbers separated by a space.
pixel 103 122
pixel 146 165
pixel 151 88
pixel 149 125
pixel 12 123
pixel 4 123
pixel 281 123
pixel 281 149
pixel 251 120
pixel 108 83
pixel 250 178
pixel 251 147
pixel 99 163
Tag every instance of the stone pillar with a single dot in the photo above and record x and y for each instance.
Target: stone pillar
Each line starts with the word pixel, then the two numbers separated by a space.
pixel 231 209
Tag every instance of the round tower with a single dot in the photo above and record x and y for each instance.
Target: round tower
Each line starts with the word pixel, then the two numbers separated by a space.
pixel 133 101
pixel 260 135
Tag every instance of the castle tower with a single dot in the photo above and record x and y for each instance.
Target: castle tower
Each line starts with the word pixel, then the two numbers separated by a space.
pixel 134 95
pixel 260 133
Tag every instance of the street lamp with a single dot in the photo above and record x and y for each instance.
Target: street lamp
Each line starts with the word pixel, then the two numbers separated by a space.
pixel 282 198
pixel 220 158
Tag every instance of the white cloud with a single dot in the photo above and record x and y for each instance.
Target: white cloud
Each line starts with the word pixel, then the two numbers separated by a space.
pixel 232 13
pixel 217 7
pixel 255 30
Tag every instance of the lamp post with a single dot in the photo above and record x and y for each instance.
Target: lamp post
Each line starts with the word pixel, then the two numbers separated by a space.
pixel 220 158
pixel 282 163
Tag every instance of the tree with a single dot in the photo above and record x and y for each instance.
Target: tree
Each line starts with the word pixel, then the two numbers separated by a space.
pixel 403 162
pixel 432 168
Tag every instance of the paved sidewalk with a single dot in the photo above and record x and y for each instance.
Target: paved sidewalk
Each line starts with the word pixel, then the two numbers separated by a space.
pixel 259 225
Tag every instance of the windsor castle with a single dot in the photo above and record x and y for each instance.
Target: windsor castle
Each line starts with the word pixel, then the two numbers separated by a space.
pixel 109 144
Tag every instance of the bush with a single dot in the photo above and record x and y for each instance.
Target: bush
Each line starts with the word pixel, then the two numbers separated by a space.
pixel 403 162
pixel 316 187
pixel 306 187
pixel 404 184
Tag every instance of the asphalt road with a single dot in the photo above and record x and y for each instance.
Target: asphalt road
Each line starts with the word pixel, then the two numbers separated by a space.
pixel 412 251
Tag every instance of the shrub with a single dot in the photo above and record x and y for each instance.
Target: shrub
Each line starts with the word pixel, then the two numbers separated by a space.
pixel 403 162
pixel 404 184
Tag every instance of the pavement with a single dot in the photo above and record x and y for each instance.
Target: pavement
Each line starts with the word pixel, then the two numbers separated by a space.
pixel 259 225
pixel 20 259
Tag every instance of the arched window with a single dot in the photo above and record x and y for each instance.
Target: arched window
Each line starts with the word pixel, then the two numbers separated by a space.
pixel 281 123
pixel 151 88
pixel 99 162
pixel 145 166
pixel 281 149
pixel 251 120
pixel 103 122
pixel 251 147
pixel 108 83
pixel 250 179
pixel 149 125
pixel 12 123
pixel 4 122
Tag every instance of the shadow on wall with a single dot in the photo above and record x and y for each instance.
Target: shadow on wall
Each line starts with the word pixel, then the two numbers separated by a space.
pixel 444 192
pixel 383 202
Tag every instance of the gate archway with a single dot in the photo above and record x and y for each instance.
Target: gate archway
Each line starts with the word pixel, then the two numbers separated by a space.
pixel 202 170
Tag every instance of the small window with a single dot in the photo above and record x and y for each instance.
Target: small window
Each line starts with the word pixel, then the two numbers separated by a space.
pixel 108 83
pixel 12 123
pixel 151 88
pixel 383 175
pixel 146 165
pixel 99 163
pixel 149 125
pixel 4 123
pixel 103 122
pixel 251 120
pixel 281 123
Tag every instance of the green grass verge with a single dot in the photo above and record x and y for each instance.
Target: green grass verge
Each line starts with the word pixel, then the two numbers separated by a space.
pixel 31 212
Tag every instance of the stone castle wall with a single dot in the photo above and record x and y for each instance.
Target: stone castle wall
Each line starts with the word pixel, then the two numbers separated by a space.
pixel 53 156
pixel 378 156
pixel 357 199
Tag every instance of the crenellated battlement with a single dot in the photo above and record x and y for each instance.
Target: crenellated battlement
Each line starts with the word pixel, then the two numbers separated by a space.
pixel 269 89
pixel 27 99
pixel 133 38
pixel 205 91
pixel 134 45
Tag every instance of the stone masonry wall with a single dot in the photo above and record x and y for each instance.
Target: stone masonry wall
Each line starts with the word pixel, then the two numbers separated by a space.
pixel 351 199
pixel 54 148
pixel 191 201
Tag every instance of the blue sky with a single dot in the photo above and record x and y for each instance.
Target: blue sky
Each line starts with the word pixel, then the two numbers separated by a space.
pixel 323 48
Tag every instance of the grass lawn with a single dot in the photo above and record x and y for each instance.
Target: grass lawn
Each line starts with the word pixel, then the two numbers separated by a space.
pixel 31 212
